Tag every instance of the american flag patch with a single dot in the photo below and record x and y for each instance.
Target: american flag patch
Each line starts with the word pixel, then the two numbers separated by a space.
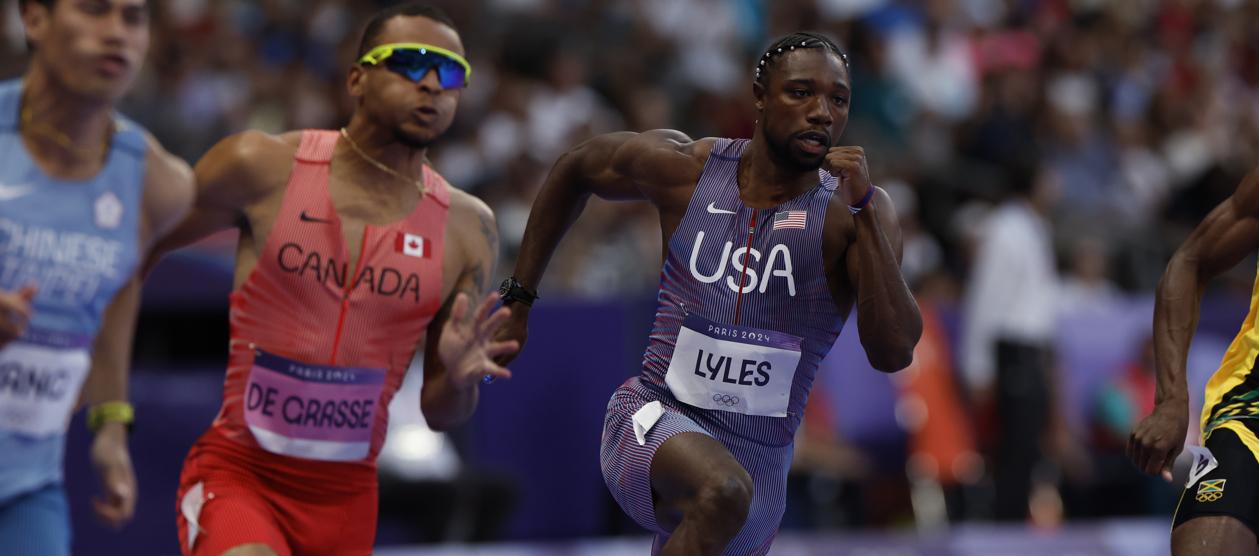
pixel 790 219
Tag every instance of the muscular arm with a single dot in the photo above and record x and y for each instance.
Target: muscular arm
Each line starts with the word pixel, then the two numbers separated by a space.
pixel 228 178
pixel 1227 234
pixel 616 166
pixel 888 321
pixel 446 399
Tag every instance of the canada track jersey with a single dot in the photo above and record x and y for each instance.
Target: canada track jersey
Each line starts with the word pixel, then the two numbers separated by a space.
pixel 318 346
pixel 744 314
pixel 1232 393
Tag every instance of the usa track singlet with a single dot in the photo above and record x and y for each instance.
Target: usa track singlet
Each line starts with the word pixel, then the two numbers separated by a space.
pixel 743 318
pixel 744 314
pixel 318 348
pixel 77 241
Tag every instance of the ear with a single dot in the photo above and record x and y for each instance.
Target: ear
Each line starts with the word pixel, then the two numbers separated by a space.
pixel 758 93
pixel 36 18
pixel 355 81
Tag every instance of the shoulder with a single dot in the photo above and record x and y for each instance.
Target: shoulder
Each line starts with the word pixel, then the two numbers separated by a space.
pixel 254 151
pixel 466 206
pixel 662 153
pixel 472 231
pixel 169 186
pixel 248 165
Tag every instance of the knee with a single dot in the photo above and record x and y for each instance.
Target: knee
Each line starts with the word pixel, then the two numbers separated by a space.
pixel 726 498
pixel 250 550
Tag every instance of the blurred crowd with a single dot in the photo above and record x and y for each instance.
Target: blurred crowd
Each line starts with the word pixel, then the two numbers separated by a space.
pixel 1112 125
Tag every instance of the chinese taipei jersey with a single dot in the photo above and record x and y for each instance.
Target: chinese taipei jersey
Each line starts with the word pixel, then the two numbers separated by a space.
pixel 76 240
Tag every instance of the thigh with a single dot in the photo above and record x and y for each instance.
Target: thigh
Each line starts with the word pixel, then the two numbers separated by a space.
pixel 1215 535
pixel 219 510
pixel 1227 494
pixel 627 463
pixel 36 523
pixel 684 464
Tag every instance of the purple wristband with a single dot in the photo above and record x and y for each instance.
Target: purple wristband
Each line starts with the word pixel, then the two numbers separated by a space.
pixel 863 202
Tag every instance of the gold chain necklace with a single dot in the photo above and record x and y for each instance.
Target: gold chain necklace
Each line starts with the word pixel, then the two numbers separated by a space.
pixel 59 137
pixel 419 183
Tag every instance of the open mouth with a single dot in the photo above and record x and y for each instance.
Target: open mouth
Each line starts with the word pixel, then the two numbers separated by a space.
pixel 112 64
pixel 813 142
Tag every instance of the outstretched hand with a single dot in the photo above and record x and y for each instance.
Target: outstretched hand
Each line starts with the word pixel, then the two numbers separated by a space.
pixel 468 346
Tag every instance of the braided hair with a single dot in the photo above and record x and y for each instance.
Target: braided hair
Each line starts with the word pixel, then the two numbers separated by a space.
pixel 799 39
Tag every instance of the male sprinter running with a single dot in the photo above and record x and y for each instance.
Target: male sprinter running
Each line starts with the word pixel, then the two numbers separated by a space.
pixel 768 244
pixel 1219 510
pixel 84 194
pixel 353 251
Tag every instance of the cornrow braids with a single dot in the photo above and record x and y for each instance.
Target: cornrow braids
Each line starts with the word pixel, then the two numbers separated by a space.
pixel 799 39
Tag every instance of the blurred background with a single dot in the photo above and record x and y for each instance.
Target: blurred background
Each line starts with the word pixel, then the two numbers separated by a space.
pixel 1045 158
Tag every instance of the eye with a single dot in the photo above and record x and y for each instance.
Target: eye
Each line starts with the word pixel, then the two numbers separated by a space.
pixel 799 93
pixel 840 101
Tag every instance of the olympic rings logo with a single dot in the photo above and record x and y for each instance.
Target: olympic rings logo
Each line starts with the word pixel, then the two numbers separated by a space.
pixel 1210 496
pixel 726 400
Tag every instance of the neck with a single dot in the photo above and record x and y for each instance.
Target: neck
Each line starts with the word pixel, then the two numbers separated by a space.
pixel 52 108
pixel 764 179
pixel 380 145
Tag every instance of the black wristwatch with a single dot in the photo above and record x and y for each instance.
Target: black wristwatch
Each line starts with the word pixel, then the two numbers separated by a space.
pixel 510 291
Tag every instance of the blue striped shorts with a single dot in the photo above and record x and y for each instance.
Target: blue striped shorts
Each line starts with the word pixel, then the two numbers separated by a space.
pixel 627 467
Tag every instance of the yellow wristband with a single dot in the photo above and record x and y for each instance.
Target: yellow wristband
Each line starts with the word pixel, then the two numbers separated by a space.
pixel 110 412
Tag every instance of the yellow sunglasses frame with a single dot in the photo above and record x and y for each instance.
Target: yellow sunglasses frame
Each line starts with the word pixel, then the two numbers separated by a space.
pixel 384 51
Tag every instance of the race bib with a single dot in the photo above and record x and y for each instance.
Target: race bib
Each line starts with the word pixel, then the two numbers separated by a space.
pixel 40 378
pixel 312 411
pixel 733 368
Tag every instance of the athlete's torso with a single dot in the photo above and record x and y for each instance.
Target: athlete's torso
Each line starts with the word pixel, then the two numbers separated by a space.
pixel 719 289
pixel 333 338
pixel 1232 393
pixel 77 242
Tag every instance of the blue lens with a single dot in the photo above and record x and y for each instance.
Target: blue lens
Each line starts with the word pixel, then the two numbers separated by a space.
pixel 415 64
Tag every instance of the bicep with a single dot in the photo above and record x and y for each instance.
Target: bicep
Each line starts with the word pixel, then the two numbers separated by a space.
pixel 1223 239
pixel 629 166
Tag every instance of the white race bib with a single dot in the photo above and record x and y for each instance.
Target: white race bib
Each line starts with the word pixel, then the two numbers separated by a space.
pixel 39 387
pixel 733 368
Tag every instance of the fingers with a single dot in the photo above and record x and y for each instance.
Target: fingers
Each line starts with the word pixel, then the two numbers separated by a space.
pixel 495 370
pixel 1167 474
pixel 15 312
pixel 117 503
pixel 28 292
pixel 459 308
pixel 487 305
pixel 488 327
pixel 499 349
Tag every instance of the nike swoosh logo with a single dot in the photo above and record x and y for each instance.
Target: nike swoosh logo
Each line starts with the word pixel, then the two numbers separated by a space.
pixel 712 209
pixel 11 192
pixel 308 218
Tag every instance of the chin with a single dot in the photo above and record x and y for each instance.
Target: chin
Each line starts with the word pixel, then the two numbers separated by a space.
pixel 414 140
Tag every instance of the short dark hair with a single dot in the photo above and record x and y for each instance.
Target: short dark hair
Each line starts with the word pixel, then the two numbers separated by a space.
pixel 21 4
pixel 799 39
pixel 410 9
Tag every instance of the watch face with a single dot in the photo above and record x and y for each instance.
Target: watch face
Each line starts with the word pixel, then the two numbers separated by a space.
pixel 504 287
